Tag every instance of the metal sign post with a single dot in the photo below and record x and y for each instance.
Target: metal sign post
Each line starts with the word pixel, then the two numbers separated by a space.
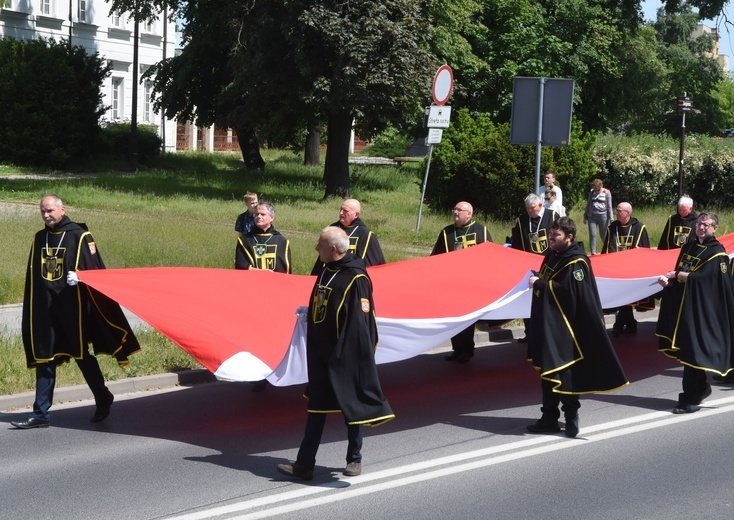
pixel 684 105
pixel 437 118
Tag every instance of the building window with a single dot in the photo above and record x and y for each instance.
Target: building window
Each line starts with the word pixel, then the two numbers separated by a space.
pixel 117 97
pixel 149 27
pixel 83 11
pixel 46 7
pixel 117 20
pixel 148 102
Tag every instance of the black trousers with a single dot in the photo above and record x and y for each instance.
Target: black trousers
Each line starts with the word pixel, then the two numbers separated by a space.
pixel 551 401
pixel 46 382
pixel 694 386
pixel 464 341
pixel 312 439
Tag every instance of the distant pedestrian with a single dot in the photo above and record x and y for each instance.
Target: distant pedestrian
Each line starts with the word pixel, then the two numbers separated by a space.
pixel 246 220
pixel 599 213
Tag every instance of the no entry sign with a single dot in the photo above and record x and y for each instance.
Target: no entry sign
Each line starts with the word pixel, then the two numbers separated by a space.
pixel 443 84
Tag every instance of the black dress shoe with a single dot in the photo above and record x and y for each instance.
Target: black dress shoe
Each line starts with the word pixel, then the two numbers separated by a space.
pixel 544 427
pixel 103 410
pixel 296 470
pixel 684 408
pixel 29 423
pixel 452 356
pixel 572 426
pixel 464 357
pixel 706 393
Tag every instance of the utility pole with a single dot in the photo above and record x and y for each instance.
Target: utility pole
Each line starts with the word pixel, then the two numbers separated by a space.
pixel 684 105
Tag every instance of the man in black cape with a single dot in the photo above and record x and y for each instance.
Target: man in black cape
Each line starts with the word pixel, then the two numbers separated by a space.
pixel 463 233
pixel 627 233
pixel 696 320
pixel 679 228
pixel 62 317
pixel 362 242
pixel 531 230
pixel 567 338
pixel 263 247
pixel 341 340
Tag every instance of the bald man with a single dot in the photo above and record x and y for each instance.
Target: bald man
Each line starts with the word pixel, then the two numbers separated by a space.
pixel 626 233
pixel 463 233
pixel 362 242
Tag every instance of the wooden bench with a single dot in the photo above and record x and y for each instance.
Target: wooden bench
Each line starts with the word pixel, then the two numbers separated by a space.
pixel 401 160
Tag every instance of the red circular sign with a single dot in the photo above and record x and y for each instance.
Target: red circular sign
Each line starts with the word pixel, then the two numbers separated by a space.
pixel 443 84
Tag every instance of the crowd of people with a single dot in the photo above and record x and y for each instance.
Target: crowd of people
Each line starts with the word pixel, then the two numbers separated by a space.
pixel 567 340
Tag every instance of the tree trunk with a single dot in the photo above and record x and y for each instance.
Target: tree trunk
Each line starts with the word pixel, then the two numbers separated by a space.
pixel 250 148
pixel 336 168
pixel 312 155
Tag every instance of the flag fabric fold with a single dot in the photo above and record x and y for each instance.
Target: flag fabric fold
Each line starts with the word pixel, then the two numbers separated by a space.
pixel 243 325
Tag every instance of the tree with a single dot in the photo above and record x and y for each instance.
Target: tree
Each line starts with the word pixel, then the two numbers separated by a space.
pixel 691 71
pixel 369 68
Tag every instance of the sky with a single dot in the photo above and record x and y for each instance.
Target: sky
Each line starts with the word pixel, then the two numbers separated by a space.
pixel 650 7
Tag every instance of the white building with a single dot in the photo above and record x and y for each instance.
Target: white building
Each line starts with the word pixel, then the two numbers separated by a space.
pixel 88 24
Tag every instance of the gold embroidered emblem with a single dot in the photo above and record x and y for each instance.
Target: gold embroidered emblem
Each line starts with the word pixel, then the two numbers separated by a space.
pixel 365 305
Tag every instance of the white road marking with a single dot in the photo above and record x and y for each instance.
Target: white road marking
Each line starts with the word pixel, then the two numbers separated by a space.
pixel 532 446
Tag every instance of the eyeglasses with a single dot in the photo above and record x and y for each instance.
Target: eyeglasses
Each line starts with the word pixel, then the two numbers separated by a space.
pixel 548 198
pixel 705 225
pixel 460 209
pixel 621 210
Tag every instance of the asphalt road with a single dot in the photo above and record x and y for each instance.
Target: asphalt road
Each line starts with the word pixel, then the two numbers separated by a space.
pixel 457 449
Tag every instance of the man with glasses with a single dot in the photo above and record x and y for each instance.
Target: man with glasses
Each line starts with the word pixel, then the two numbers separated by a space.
pixel 696 324
pixel 626 233
pixel 463 233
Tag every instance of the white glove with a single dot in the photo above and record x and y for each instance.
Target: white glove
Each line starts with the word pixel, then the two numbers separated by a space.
pixel 302 314
pixel 71 278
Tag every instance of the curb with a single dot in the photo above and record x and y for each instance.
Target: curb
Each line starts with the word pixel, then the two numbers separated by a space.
pixel 63 394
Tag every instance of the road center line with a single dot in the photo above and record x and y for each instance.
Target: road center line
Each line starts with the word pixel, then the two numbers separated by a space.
pixel 529 447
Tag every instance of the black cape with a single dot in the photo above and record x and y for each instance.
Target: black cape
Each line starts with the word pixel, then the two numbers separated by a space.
pixel 532 235
pixel 625 236
pixel 59 320
pixel 260 249
pixel 678 231
pixel 696 320
pixel 452 238
pixel 567 338
pixel 340 345
pixel 362 243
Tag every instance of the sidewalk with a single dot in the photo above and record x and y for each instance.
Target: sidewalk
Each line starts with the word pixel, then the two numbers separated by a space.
pixel 483 336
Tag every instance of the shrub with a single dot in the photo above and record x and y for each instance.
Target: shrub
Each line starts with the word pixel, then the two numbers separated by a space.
pixel 51 102
pixel 389 143
pixel 476 162
pixel 116 141
pixel 643 169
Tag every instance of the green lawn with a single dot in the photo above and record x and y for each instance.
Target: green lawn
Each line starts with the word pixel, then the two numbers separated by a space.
pixel 181 212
